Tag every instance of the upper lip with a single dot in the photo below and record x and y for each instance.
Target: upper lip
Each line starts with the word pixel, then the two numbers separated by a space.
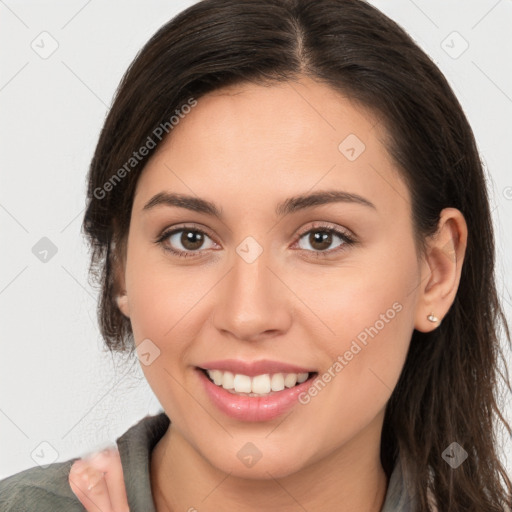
pixel 253 368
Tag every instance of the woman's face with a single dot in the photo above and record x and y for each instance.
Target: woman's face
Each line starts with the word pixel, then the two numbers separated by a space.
pixel 269 279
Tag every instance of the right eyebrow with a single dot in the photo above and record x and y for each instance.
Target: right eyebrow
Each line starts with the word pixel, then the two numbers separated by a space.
pixel 290 205
pixel 192 203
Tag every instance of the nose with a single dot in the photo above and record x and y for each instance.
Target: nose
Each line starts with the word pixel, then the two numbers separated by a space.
pixel 252 303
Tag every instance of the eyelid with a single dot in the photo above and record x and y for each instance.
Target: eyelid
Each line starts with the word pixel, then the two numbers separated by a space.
pixel 346 235
pixel 328 227
pixel 166 232
pixel 169 231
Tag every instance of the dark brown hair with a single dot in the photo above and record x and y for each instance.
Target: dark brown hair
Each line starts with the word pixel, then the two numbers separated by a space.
pixel 448 389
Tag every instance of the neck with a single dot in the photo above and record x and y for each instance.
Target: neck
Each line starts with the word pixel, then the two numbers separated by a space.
pixel 349 480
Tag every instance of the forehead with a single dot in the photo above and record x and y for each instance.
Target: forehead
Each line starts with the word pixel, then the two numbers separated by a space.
pixel 277 118
pixel 289 137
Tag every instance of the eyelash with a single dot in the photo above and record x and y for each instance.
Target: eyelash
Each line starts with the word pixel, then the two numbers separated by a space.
pixel 348 240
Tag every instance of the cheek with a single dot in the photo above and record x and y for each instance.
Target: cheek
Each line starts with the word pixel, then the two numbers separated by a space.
pixel 167 307
pixel 373 328
pixel 164 308
pixel 369 309
pixel 363 367
pixel 162 298
pixel 369 295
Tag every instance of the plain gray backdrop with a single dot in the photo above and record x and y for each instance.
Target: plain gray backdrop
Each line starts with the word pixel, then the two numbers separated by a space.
pixel 62 395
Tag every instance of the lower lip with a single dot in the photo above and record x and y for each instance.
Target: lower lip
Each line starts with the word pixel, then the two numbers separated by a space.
pixel 253 408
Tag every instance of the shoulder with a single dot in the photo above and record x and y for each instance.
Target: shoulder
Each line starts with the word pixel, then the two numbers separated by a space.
pixel 47 489
pixel 39 489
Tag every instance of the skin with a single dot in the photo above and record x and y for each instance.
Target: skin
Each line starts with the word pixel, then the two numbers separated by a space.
pixel 97 481
pixel 247 148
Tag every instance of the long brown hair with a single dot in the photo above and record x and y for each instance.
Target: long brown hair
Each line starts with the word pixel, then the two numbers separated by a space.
pixel 448 387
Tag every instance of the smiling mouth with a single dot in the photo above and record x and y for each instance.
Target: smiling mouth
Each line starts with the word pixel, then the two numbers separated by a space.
pixel 258 385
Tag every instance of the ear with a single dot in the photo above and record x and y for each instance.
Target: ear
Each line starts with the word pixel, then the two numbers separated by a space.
pixel 119 268
pixel 123 305
pixel 441 269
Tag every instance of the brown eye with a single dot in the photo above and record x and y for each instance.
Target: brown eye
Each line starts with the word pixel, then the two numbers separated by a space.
pixel 320 240
pixel 185 241
pixel 191 240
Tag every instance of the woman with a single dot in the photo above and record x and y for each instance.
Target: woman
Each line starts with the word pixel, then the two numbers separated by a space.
pixel 290 224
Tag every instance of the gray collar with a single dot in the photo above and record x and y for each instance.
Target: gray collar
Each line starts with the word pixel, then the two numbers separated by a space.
pixel 136 444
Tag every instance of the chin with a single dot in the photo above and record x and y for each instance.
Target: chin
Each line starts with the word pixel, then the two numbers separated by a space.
pixel 247 461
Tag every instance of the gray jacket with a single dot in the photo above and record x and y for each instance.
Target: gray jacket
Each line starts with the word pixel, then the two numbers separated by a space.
pixel 47 490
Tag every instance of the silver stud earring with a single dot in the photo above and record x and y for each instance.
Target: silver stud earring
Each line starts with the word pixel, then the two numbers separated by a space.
pixel 432 318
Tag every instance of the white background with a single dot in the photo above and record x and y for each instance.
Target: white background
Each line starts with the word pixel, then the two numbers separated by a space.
pixel 58 383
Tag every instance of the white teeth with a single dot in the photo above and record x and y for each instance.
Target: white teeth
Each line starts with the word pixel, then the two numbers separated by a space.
pixel 242 383
pixel 277 382
pixel 302 377
pixel 216 376
pixel 258 385
pixel 261 384
pixel 290 380
pixel 228 380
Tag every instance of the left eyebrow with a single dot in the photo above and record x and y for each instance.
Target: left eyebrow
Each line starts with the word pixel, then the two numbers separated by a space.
pixel 304 201
pixel 290 205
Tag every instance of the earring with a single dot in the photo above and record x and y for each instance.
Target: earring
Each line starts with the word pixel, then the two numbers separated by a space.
pixel 432 318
